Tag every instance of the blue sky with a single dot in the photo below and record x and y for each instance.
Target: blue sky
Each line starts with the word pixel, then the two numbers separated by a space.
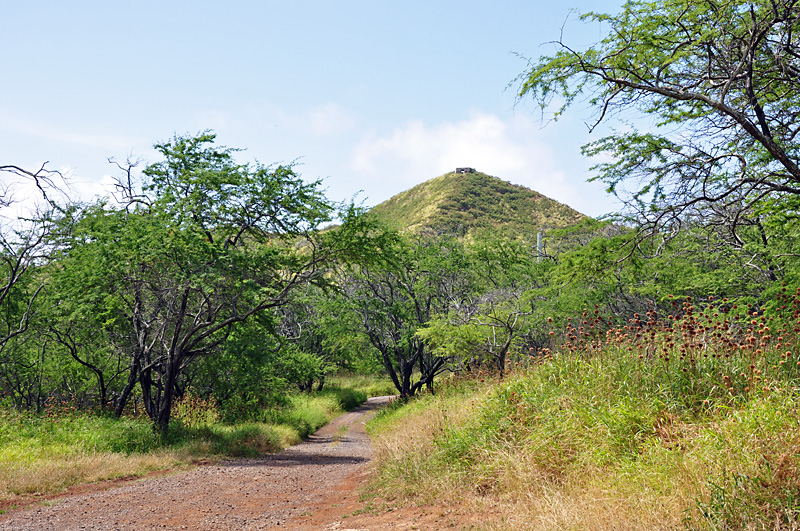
pixel 372 97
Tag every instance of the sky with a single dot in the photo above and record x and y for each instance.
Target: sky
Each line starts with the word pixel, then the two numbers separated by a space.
pixel 372 97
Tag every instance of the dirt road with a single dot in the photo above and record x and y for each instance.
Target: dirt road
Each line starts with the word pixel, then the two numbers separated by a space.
pixel 308 486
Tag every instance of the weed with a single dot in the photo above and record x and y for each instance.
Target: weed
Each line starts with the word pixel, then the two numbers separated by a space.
pixel 193 410
pixel 689 418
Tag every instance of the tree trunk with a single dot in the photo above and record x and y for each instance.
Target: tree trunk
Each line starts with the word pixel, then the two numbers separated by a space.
pixel 170 380
pixel 122 401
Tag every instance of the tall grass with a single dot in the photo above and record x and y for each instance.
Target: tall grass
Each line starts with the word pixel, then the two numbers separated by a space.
pixel 45 454
pixel 688 420
pixel 369 384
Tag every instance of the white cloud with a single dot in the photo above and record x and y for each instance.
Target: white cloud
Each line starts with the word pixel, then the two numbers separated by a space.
pixel 330 119
pixel 104 186
pixel 54 133
pixel 329 141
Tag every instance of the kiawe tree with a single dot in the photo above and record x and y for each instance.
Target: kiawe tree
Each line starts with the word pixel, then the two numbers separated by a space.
pixel 393 299
pixel 34 215
pixel 28 235
pixel 717 82
pixel 206 244
pixel 496 315
pixel 323 335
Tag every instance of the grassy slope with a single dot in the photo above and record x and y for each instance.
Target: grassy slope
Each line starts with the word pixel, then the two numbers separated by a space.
pixel 702 435
pixel 577 455
pixel 475 203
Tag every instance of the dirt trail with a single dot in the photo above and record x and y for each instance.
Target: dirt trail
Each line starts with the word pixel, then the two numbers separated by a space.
pixel 308 486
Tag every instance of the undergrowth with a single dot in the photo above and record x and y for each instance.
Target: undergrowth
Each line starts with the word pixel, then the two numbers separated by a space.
pixel 369 384
pixel 681 421
pixel 44 454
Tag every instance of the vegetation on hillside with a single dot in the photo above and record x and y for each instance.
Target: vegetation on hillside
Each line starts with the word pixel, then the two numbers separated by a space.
pixel 475 204
pixel 641 372
pixel 681 420
pixel 646 410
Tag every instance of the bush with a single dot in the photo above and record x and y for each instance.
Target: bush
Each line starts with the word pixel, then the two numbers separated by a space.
pixel 350 399
pixel 193 410
pixel 686 420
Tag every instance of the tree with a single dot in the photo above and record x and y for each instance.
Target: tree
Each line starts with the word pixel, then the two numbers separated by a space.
pixel 493 325
pixel 395 298
pixel 205 245
pixel 28 235
pixel 317 323
pixel 719 80
pixel 33 220
pixel 245 378
pixel 500 312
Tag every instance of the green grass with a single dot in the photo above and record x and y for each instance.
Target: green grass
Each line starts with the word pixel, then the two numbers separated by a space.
pixel 369 384
pixel 306 413
pixel 609 431
pixel 47 453
pixel 24 436
pixel 563 432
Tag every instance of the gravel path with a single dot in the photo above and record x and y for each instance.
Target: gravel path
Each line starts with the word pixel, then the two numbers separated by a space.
pixel 244 494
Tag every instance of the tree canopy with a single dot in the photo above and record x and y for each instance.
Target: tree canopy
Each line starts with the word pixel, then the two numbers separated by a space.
pixel 716 83
pixel 203 245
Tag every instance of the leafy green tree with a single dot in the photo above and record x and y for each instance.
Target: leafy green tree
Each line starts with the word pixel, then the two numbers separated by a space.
pixel 31 230
pixel 28 235
pixel 205 245
pixel 489 329
pixel 245 378
pixel 504 308
pixel 393 299
pixel 718 82
pixel 324 334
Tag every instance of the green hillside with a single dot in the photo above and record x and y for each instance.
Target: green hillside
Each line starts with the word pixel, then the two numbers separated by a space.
pixel 473 203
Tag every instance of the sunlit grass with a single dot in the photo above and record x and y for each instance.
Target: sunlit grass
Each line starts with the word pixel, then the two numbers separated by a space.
pixel 684 421
pixel 369 384
pixel 45 454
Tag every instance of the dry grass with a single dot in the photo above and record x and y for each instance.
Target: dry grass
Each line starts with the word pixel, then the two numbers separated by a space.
pixel 690 422
pixel 47 476
pixel 508 483
pixel 561 471
pixel 404 443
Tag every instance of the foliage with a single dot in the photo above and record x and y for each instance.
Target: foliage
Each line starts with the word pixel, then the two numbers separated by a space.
pixel 474 204
pixel 509 297
pixel 680 419
pixel 488 330
pixel 320 338
pixel 717 82
pixel 29 234
pixel 244 377
pixel 206 245
pixel 31 230
pixel 392 300
pixel 194 411
pixel 178 285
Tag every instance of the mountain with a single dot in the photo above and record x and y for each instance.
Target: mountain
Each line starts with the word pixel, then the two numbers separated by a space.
pixel 474 203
